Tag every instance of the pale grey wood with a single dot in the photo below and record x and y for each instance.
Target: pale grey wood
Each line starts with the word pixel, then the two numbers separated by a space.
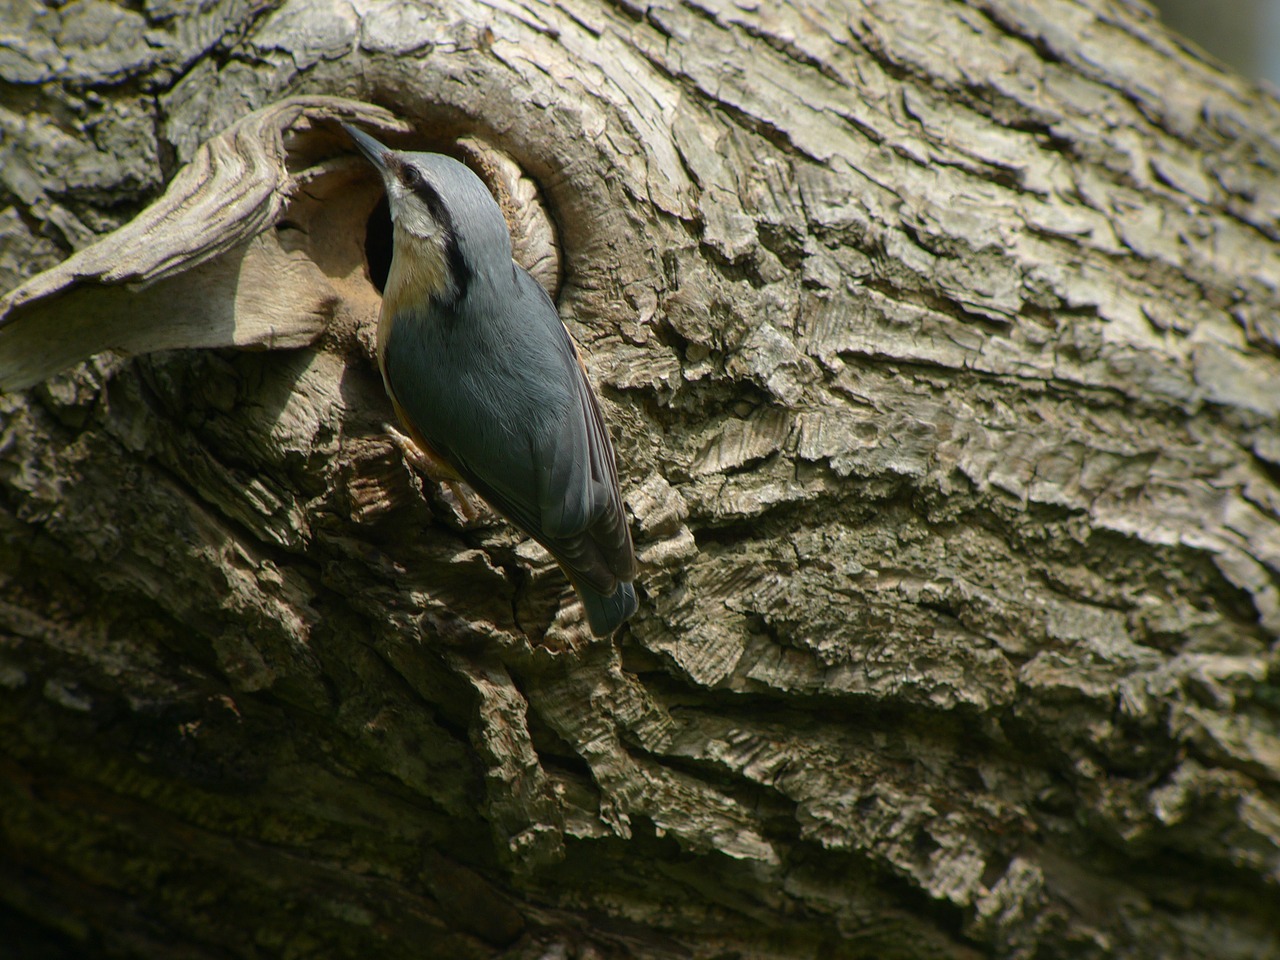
pixel 940 345
pixel 235 286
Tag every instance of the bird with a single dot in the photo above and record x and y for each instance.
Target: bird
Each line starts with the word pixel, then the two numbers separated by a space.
pixel 485 378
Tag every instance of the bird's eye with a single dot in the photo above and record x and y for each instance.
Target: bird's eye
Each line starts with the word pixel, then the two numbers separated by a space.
pixel 412 176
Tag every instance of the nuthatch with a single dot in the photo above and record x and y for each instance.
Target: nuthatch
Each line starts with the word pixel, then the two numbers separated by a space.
pixel 483 375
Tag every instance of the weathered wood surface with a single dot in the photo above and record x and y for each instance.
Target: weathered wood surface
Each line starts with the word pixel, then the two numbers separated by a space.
pixel 208 243
pixel 941 346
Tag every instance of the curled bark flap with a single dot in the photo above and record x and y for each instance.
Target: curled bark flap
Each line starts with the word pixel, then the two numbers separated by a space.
pixel 197 267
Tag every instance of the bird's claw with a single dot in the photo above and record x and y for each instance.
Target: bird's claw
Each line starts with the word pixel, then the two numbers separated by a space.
pixel 461 501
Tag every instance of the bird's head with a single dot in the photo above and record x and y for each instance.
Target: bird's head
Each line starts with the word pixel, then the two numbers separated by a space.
pixel 443 213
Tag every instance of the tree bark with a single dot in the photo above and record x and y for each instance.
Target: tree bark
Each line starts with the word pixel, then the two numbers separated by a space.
pixel 940 346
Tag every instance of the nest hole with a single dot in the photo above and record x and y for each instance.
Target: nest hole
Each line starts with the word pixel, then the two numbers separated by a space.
pixel 377 244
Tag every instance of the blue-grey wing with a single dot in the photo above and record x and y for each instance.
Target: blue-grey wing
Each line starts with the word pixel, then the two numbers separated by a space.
pixel 537 449
pixel 579 500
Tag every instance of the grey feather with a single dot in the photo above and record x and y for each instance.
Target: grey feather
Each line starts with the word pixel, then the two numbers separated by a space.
pixel 490 379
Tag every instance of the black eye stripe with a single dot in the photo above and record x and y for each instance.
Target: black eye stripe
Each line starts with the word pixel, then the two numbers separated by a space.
pixel 428 195
pixel 424 191
pixel 457 265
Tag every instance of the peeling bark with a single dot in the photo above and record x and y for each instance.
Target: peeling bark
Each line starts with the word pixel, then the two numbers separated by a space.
pixel 940 345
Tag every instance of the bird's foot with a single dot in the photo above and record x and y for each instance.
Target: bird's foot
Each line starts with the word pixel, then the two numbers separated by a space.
pixel 465 505
pixel 420 460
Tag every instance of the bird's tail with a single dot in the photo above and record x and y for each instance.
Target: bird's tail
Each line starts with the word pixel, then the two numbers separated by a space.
pixel 606 612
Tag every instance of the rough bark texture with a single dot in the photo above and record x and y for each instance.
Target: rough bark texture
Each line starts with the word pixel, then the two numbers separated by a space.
pixel 940 344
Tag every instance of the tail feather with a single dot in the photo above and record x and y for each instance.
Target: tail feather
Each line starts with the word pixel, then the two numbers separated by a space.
pixel 607 612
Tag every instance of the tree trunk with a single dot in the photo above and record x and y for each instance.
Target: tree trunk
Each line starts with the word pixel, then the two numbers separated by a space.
pixel 940 346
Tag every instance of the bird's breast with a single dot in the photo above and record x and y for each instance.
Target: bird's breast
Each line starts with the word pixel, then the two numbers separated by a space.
pixel 419 273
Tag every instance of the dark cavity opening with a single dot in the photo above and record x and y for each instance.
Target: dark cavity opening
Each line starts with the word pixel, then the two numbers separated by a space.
pixel 377 244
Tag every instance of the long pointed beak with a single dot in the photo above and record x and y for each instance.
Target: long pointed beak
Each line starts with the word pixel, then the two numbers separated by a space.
pixel 378 154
